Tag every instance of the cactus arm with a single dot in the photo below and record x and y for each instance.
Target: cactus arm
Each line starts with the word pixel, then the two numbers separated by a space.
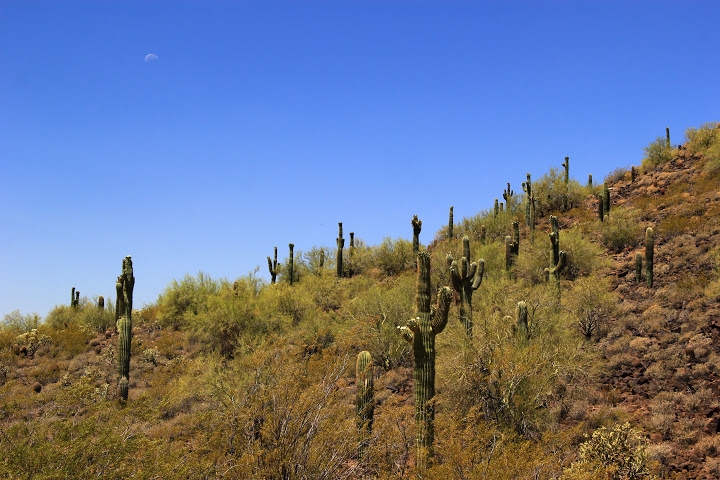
pixel 455 277
pixel 439 316
pixel 480 270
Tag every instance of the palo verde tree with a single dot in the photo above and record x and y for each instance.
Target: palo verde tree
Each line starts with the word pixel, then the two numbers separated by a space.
pixel 420 332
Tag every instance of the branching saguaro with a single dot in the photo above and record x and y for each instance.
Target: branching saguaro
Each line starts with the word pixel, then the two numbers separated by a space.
pixel 466 278
pixel 124 287
pixel 559 260
pixel 420 332
pixel 273 267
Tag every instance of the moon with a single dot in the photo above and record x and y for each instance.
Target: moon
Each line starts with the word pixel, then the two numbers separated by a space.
pixel 150 57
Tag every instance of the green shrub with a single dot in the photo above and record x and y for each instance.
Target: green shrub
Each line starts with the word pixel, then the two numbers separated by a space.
pixel 657 153
pixel 616 454
pixel 394 256
pixel 552 195
pixel 621 230
pixel 18 322
pixel 184 298
pixel 705 141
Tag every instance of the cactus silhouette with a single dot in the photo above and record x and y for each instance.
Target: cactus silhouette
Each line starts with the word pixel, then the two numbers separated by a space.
pixel 507 195
pixel 466 278
pixel 124 286
pixel 101 302
pixel 649 255
pixel 340 244
pixel 291 264
pixel 417 226
pixel 273 267
pixel 420 332
pixel 529 203
pixel 364 404
pixel 450 224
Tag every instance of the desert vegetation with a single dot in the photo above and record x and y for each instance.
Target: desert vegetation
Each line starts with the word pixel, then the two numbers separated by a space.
pixel 521 342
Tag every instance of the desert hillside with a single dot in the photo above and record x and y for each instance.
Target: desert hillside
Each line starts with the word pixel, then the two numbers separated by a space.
pixel 571 362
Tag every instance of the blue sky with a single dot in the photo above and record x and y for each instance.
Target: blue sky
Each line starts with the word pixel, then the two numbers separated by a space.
pixel 262 123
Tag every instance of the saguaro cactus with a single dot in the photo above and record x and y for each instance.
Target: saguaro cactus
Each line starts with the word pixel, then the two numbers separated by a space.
pixel 638 267
pixel 101 302
pixel 365 405
pixel 420 332
pixel 559 260
pixel 522 328
pixel 466 278
pixel 450 224
pixel 273 267
pixel 606 199
pixel 590 184
pixel 554 239
pixel 633 174
pixel 124 286
pixel 566 165
pixel 507 195
pixel 667 137
pixel 291 264
pixel 649 255
pixel 417 226
pixel 529 203
pixel 74 297
pixel 340 244
pixel 497 207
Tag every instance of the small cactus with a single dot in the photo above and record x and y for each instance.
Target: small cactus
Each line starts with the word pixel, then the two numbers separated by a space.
pixel 633 174
pixel 340 244
pixel 522 328
pixel 590 183
pixel 466 278
pixel 420 332
pixel 649 255
pixel 667 137
pixel 364 404
pixel 101 302
pixel 273 267
pixel 497 207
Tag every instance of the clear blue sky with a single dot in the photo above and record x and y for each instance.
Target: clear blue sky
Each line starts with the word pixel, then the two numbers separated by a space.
pixel 262 123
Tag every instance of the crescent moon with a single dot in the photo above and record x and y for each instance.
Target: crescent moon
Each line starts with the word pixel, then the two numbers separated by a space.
pixel 150 57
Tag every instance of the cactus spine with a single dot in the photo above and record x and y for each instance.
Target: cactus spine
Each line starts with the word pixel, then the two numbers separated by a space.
pixel 466 278
pixel 420 332
pixel 417 226
pixel 124 286
pixel 649 255
pixel 291 264
pixel 273 267
pixel 340 244
pixel 638 267
pixel 364 404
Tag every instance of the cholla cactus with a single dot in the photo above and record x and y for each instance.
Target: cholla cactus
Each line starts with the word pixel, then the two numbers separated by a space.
pixel 466 278
pixel 365 406
pixel 124 286
pixel 420 332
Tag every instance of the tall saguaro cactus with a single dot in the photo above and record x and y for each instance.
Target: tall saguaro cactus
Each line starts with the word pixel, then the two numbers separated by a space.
pixel 124 287
pixel 340 244
pixel 638 267
pixel 291 264
pixel 466 278
pixel 74 297
pixel 417 226
pixel 273 267
pixel 420 332
pixel 529 204
pixel 451 224
pixel 507 195
pixel 649 255
pixel 559 260
pixel 566 165
pixel 364 405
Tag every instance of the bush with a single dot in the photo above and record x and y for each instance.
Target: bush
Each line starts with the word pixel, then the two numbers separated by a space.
pixel 17 322
pixel 705 140
pixel 617 453
pixel 657 153
pixel 394 256
pixel 621 230
pixel 552 195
